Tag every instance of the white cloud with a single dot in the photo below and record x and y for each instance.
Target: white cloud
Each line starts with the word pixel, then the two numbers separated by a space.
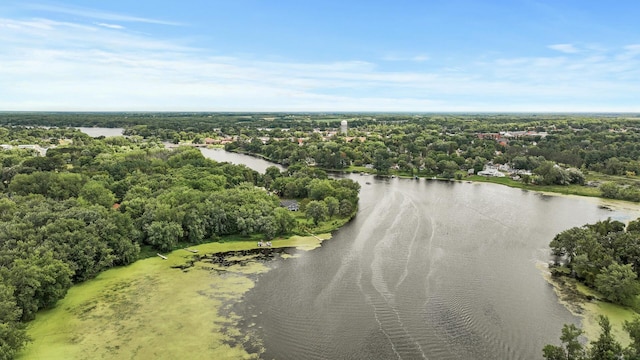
pixel 413 58
pixel 565 48
pixel 111 26
pixel 54 65
pixel 96 14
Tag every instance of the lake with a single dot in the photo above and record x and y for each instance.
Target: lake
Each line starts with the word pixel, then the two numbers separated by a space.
pixel 100 131
pixel 426 270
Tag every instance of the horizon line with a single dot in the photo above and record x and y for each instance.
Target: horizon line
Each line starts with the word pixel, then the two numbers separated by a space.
pixel 406 112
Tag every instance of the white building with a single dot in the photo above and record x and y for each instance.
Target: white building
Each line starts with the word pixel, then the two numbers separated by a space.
pixel 343 127
pixel 490 172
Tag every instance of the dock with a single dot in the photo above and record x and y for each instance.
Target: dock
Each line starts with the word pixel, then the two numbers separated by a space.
pixel 162 256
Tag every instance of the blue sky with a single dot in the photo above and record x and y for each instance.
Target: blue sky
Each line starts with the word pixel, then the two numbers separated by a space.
pixel 283 55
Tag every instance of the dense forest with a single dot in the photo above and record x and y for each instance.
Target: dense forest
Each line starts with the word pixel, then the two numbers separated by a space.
pixel 604 256
pixel 91 204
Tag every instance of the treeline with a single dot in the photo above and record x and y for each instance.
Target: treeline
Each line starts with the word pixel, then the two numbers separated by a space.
pixel 557 150
pixel 95 203
pixel 627 192
pixel 604 256
pixel 167 126
pixel 429 144
pixel 426 145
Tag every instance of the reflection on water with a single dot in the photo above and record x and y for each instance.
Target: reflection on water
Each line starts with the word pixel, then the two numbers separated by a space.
pixel 426 270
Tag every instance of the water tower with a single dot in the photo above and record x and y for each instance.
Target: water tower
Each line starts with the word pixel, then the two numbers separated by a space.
pixel 343 127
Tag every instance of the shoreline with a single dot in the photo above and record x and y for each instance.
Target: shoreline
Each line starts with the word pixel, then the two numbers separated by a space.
pixel 585 304
pixel 151 308
pixel 567 190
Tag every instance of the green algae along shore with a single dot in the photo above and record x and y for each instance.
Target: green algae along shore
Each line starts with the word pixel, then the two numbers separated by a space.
pixel 586 303
pixel 160 309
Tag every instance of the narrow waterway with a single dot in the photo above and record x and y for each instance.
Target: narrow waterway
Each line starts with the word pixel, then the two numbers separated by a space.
pixel 427 270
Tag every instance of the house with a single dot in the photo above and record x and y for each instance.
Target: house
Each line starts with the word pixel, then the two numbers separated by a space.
pixel 291 205
pixel 490 171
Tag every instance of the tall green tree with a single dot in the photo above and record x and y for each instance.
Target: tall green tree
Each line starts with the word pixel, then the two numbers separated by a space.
pixel 164 235
pixel 285 222
pixel 618 283
pixel 567 243
pixel 39 282
pixel 632 352
pixel 95 193
pixel 12 331
pixel 316 210
pixel 571 348
pixel 605 347
pixel 346 208
pixel 333 205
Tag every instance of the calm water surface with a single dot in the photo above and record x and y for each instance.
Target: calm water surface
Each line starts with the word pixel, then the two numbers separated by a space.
pixel 427 270
pixel 254 163
pixel 99 131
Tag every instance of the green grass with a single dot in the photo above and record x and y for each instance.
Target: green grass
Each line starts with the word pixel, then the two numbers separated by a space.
pixel 560 189
pixel 621 180
pixel 359 169
pixel 327 226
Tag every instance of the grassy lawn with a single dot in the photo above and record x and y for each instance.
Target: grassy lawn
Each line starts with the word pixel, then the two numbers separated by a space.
pixel 561 189
pixel 359 169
